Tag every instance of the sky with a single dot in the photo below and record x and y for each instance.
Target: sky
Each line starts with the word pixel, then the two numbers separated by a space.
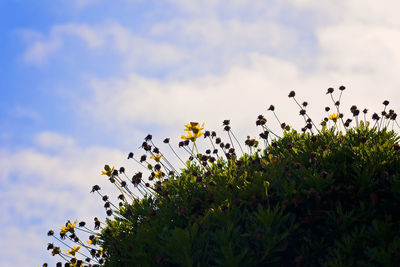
pixel 82 82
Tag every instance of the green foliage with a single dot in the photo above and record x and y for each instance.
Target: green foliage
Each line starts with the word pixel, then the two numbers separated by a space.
pixel 329 199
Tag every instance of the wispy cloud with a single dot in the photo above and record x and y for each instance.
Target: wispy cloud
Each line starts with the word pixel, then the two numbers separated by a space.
pixel 24 112
pixel 43 187
pixel 133 49
pixel 218 60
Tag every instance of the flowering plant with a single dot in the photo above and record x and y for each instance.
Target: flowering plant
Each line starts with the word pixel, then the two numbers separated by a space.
pixel 327 195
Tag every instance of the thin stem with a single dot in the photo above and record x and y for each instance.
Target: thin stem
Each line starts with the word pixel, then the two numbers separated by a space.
pixel 276 117
pixel 236 141
pixel 337 109
pixel 176 154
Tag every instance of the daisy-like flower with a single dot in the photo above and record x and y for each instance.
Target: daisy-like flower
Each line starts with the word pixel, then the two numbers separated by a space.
pixel 93 241
pixel 107 170
pixel 69 228
pixel 157 157
pixel 334 117
pixel 72 251
pixel 194 127
pixel 77 264
pixel 192 137
pixel 158 174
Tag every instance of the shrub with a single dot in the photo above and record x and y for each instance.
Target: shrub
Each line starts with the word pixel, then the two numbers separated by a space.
pixel 320 197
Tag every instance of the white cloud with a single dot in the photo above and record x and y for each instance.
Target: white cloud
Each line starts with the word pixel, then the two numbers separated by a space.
pixel 39 51
pixel 134 50
pixel 24 112
pixel 41 48
pixel 40 190
pixel 247 64
pixel 54 141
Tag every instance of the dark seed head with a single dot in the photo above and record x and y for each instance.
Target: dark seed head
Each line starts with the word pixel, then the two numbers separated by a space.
pixel 95 188
pixel 330 90
pixel 375 117
pixel 271 107
pixel 292 94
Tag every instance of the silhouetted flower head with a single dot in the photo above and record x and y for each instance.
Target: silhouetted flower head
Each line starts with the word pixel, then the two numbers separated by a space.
pixel 226 122
pixel 95 188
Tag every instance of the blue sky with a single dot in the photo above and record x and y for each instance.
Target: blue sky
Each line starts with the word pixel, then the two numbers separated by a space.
pixel 83 81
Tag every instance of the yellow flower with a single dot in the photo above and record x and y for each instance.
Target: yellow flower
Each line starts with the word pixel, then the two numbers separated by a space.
pixel 69 228
pixel 194 127
pixel 252 142
pixel 76 264
pixel 107 170
pixel 157 157
pixel 192 137
pixel 72 251
pixel 158 174
pixel 94 241
pixel 334 117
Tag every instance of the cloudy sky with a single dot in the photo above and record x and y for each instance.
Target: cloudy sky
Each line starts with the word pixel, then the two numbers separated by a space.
pixel 83 81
